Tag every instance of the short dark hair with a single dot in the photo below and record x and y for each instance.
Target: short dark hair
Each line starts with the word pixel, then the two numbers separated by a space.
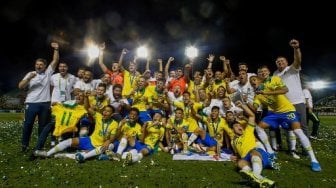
pixel 135 110
pixel 44 61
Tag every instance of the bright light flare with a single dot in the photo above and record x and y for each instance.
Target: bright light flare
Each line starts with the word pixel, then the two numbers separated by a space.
pixel 93 51
pixel 142 52
pixel 191 52
pixel 319 84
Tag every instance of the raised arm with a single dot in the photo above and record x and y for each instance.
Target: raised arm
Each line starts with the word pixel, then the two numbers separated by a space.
pixel 171 59
pixel 210 59
pixel 297 53
pixel 55 59
pixel 123 53
pixel 101 57
pixel 248 112
pixel 160 64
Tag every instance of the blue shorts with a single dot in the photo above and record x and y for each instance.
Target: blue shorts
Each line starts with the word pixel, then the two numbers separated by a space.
pixel 264 157
pixel 140 146
pixel 208 141
pixel 283 119
pixel 85 143
pixel 144 117
pixel 151 112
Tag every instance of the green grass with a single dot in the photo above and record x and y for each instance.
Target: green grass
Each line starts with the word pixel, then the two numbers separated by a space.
pixel 158 170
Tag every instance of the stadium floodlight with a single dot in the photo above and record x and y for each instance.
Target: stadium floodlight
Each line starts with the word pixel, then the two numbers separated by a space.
pixel 142 52
pixel 191 52
pixel 93 51
pixel 320 84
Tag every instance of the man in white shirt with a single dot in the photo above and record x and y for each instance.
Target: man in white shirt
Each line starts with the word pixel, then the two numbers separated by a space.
pixel 37 103
pixel 62 84
pixel 290 75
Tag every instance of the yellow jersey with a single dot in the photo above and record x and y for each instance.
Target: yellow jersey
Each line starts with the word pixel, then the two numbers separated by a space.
pixel 131 130
pixel 156 97
pixel 184 123
pixel 141 99
pixel 155 133
pixel 99 104
pixel 192 87
pixel 244 143
pixel 187 112
pixel 67 117
pixel 275 103
pixel 104 129
pixel 130 82
pixel 216 129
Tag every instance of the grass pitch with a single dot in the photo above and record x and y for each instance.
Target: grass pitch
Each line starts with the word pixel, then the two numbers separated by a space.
pixel 158 170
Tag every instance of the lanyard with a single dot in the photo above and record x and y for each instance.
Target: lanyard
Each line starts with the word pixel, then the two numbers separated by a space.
pixel 107 124
pixel 60 83
pixel 217 125
pixel 132 77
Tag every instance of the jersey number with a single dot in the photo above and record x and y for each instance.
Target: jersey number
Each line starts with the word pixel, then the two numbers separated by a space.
pixel 66 118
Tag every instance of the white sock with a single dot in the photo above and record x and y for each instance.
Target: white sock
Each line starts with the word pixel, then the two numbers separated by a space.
pixel 273 139
pixel 192 138
pixel 122 145
pixel 264 139
pixel 137 157
pixel 256 165
pixel 247 168
pixel 60 147
pixel 123 156
pixel 292 140
pixel 92 153
pixel 306 144
pixel 111 147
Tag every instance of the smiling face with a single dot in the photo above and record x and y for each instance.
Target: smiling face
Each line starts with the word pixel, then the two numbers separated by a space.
pixel 107 112
pixel 63 69
pixel 281 63
pixel 40 66
pixel 238 129
pixel 255 82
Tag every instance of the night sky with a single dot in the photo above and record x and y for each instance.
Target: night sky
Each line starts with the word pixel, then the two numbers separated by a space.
pixel 255 33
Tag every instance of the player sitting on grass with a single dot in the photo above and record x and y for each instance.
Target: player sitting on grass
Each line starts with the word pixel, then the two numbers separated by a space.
pixel 152 134
pixel 100 140
pixel 128 131
pixel 178 130
pixel 250 159
pixel 217 127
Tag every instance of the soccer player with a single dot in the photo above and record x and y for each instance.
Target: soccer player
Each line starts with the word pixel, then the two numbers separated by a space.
pixel 100 140
pixel 250 159
pixel 178 130
pixel 65 120
pixel 270 93
pixel 152 135
pixel 217 127
pixel 129 130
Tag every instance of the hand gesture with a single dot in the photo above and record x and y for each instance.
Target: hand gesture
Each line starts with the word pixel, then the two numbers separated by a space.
pixel 171 59
pixel 54 45
pixel 102 46
pixel 294 43
pixel 159 60
pixel 211 58
pixel 124 51
pixel 222 58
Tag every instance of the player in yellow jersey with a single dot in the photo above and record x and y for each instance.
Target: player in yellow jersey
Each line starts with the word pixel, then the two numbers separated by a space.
pixel 96 102
pixel 157 101
pixel 217 127
pixel 152 135
pixel 187 105
pixel 270 92
pixel 129 130
pixel 250 159
pixel 101 139
pixel 66 118
pixel 130 76
pixel 141 97
pixel 178 130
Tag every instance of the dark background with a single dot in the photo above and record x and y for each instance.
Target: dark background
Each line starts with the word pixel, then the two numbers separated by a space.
pixel 254 32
